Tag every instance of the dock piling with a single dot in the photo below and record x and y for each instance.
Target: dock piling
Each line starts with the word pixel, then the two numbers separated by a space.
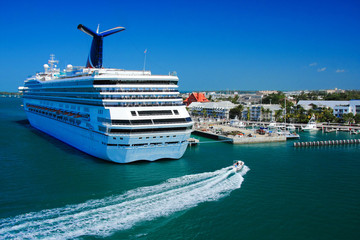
pixel 326 143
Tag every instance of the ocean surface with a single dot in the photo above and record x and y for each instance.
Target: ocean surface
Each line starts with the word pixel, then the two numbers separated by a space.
pixel 51 190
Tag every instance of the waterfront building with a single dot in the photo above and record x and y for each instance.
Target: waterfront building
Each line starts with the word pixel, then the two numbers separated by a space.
pixel 261 112
pixel 339 107
pixel 307 104
pixel 195 97
pixel 340 110
pixel 353 107
pixel 218 110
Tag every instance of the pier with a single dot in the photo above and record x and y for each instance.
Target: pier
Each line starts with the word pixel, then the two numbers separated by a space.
pixel 327 143
pixel 237 136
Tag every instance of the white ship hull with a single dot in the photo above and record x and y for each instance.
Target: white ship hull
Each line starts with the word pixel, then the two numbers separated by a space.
pixel 93 143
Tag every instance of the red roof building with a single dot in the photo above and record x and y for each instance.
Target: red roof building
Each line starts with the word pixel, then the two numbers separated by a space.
pixel 195 97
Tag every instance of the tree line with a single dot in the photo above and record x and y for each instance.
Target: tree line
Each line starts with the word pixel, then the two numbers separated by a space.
pixel 297 114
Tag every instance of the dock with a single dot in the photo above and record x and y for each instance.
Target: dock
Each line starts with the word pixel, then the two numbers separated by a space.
pixel 193 141
pixel 237 135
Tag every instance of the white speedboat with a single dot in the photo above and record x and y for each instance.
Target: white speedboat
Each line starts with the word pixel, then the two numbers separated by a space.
pixel 238 165
pixel 311 126
pixel 290 127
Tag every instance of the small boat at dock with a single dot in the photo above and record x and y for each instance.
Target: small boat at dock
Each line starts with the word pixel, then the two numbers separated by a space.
pixel 193 141
pixel 311 126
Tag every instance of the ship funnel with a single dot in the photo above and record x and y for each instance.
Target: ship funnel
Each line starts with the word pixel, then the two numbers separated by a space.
pixel 96 51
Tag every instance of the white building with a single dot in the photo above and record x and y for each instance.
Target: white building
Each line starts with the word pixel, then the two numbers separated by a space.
pixel 307 104
pixel 339 107
pixel 340 110
pixel 257 115
pixel 211 109
pixel 355 106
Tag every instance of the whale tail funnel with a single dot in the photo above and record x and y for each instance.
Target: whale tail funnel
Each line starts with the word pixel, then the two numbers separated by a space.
pixel 96 51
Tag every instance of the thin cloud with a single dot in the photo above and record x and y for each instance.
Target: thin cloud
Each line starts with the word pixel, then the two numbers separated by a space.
pixel 313 64
pixel 321 69
pixel 340 70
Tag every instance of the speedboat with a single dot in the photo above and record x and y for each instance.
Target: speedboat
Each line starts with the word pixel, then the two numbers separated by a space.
pixel 238 165
pixel 291 127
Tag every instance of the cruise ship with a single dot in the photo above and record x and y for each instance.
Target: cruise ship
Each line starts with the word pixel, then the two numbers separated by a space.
pixel 113 114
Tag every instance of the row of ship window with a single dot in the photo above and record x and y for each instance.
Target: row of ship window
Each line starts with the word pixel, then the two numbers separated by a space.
pixel 142 144
pixel 67 119
pixel 96 90
pixel 92 96
pixel 108 104
pixel 33 83
pixel 150 82
pixel 144 130
pixel 144 121
pixel 154 112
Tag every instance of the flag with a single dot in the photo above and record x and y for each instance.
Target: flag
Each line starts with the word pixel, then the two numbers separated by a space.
pixel 145 51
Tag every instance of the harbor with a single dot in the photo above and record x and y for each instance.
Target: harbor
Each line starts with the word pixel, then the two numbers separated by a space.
pixel 96 195
pixel 202 120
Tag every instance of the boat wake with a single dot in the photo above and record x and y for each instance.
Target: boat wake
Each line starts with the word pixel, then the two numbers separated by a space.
pixel 105 216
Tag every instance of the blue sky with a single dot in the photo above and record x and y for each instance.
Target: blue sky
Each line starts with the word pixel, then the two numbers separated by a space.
pixel 212 45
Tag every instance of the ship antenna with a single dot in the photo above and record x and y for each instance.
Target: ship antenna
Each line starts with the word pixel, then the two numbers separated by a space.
pixel 52 61
pixel 144 59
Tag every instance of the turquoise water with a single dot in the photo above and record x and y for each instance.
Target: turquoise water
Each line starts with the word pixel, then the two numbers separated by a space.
pixel 48 189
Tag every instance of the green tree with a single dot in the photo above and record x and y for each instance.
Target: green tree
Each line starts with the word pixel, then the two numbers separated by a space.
pixel 204 113
pixel 274 98
pixel 348 117
pixel 326 115
pixel 235 99
pixel 248 114
pixel 357 118
pixel 236 111
pixel 278 114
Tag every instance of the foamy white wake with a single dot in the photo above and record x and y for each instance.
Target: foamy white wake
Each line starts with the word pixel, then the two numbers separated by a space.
pixel 104 216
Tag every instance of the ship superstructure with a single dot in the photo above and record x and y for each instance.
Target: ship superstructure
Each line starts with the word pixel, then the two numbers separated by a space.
pixel 113 114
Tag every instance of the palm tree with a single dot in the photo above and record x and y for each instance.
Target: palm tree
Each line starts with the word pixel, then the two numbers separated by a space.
pixel 348 117
pixel 262 111
pixel 204 113
pixel 268 114
pixel 278 114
